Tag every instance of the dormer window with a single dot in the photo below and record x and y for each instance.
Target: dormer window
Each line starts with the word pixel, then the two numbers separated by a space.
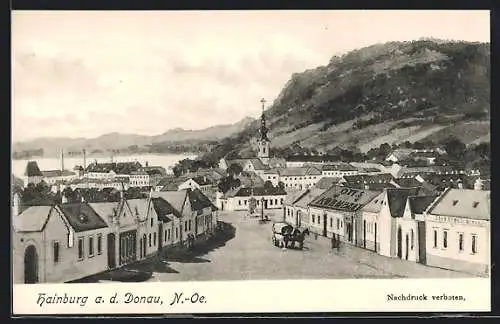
pixel 455 202
pixel 83 218
pixel 474 204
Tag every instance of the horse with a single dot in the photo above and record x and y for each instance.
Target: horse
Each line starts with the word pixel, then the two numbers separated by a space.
pixel 299 236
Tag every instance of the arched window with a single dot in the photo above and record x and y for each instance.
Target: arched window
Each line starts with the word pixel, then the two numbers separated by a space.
pixel 412 238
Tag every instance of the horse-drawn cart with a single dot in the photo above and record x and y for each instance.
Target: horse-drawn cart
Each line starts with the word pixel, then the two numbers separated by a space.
pixel 285 235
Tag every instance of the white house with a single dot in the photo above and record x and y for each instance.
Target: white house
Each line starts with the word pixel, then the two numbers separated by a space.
pixel 370 237
pixel 458 231
pixel 412 226
pixel 338 170
pixel 239 198
pixel 337 212
pixel 296 211
pixel 56 244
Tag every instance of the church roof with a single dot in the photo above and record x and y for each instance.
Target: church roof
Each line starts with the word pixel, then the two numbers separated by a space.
pixel 32 170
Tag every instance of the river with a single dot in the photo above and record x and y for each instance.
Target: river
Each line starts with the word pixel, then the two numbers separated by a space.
pixel 164 160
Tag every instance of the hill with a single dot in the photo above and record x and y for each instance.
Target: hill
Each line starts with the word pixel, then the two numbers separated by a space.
pixel 172 141
pixel 392 92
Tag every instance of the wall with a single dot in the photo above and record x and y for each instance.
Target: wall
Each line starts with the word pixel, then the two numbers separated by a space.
pixel 20 241
pixel 69 267
pixel 300 182
pixel 371 220
pixel 238 203
pixel 385 229
pixel 451 257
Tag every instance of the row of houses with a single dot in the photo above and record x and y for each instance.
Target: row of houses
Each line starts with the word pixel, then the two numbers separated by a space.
pixel 69 241
pixel 449 230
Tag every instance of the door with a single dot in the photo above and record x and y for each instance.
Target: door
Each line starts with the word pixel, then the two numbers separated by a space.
pixel 407 241
pixel 111 251
pixel 141 254
pixel 297 219
pixel 400 239
pixel 265 203
pixel 144 245
pixel 324 225
pixel 421 242
pixel 30 265
pixel 375 235
pixel 160 235
pixel 364 234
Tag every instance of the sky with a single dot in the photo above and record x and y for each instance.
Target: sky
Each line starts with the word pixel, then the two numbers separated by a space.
pixel 85 74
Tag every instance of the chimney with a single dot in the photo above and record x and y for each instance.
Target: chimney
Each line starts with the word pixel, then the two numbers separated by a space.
pixel 16 205
pixel 84 160
pixel 62 160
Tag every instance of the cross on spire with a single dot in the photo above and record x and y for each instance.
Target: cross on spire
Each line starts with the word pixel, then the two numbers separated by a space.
pixel 263 101
pixel 263 128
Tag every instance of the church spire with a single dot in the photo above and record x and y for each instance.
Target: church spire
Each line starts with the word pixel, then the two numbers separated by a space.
pixel 263 128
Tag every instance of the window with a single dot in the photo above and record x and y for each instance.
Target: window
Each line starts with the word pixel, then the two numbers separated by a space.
pixel 149 239
pixel 275 201
pixel 166 237
pixel 55 246
pixel 435 239
pixel 154 238
pixel 270 202
pixel 91 246
pixel 99 244
pixel 331 222
pixel 445 239
pixel 412 238
pixel 338 223
pixel 460 242
pixel 474 244
pixel 151 221
pixel 313 218
pixel 239 202
pixel 80 249
pixel 189 224
pixel 245 202
pixel 176 233
pixel 185 225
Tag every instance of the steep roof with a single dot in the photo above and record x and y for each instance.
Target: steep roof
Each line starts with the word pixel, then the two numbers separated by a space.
pixel 465 203
pixel 172 184
pixel 140 207
pixel 327 182
pixel 260 191
pixel 368 178
pixel 310 195
pixel 375 205
pixel 396 200
pixel 202 180
pixel 163 209
pixel 344 199
pixel 33 219
pixel 299 171
pixel 338 167
pixel 258 165
pixel 32 170
pixel 106 210
pixel 82 217
pixel 293 195
pixel 419 204
pixel 57 173
pixel 199 201
pixel 174 198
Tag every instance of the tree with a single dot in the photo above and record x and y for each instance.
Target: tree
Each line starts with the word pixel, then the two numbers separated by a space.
pixel 234 169
pixel 268 185
pixel 454 147
pixel 252 205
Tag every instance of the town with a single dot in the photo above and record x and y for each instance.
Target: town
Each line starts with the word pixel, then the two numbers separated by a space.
pixel 103 217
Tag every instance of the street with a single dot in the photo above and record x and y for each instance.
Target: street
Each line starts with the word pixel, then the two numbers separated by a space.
pixel 251 255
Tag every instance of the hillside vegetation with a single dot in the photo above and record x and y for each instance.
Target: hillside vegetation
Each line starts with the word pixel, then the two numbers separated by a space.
pixel 385 93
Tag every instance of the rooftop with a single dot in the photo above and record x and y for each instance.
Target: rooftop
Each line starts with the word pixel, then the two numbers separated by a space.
pixel 344 198
pixel 82 217
pixel 464 203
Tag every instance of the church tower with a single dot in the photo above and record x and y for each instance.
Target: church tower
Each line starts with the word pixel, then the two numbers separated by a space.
pixel 264 144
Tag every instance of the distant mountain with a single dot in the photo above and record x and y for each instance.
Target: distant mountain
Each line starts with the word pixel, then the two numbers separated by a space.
pixel 178 139
pixel 385 93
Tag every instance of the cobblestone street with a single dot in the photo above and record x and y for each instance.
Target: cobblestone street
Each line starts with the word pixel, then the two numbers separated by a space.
pixel 251 255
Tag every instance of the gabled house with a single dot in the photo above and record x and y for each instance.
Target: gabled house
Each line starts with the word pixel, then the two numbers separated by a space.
pixel 58 243
pixel 412 226
pixel 458 227
pixel 171 220
pixel 337 212
pixel 297 213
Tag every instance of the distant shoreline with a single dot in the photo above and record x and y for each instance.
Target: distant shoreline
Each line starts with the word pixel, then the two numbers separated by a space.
pixel 90 156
